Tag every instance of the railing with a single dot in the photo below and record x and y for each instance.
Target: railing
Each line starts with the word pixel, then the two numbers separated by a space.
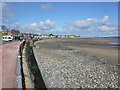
pixel 19 72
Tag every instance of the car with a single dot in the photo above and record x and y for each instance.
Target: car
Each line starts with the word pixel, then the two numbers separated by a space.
pixel 7 38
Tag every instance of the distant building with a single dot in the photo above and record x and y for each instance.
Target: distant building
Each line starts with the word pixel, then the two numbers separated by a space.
pixel 72 36
pixel 55 36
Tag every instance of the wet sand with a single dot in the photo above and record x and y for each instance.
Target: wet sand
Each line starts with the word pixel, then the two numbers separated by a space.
pixel 97 47
pixel 109 54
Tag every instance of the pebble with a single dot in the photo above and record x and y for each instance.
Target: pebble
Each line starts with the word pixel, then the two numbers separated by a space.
pixel 76 71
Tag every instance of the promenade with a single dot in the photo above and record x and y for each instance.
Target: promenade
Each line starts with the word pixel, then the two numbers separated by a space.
pixel 8 64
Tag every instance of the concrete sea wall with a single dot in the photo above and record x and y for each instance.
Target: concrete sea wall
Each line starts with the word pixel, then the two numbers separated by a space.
pixel 31 73
pixel 28 77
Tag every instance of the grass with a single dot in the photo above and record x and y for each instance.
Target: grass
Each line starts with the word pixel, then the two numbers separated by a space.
pixel 0 36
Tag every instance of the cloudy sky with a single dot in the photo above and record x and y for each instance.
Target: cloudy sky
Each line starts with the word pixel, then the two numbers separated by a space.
pixel 80 18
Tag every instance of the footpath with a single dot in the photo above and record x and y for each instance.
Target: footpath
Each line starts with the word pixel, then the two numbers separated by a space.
pixel 8 64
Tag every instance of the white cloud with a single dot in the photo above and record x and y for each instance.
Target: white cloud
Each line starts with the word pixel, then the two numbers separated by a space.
pixel 91 20
pixel 16 25
pixel 42 26
pixel 105 19
pixel 81 24
pixel 106 28
pixel 6 14
pixel 91 26
pixel 46 7
pixel 85 24
pixel 88 27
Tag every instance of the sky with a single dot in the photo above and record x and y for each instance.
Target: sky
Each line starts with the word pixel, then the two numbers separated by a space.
pixel 62 18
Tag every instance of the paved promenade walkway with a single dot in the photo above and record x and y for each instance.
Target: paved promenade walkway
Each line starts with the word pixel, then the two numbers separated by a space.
pixel 8 64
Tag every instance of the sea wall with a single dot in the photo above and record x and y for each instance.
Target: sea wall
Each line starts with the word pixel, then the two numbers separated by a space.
pixel 31 72
pixel 28 77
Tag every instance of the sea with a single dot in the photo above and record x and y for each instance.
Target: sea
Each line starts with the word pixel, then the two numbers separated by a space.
pixel 115 38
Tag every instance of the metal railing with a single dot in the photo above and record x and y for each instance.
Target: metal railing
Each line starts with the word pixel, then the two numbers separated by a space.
pixel 19 70
pixel 19 74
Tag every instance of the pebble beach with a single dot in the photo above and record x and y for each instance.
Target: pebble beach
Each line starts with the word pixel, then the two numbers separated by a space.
pixel 64 65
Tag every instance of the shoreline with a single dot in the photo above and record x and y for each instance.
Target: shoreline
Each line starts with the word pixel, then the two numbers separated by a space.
pixel 64 63
pixel 96 47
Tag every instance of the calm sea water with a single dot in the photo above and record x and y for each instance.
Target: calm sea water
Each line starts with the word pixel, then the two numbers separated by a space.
pixel 115 44
pixel 116 38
